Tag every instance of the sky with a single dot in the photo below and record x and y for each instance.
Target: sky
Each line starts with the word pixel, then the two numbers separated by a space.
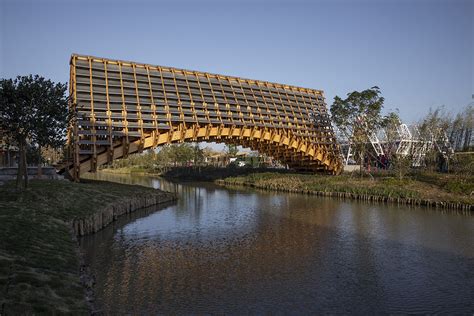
pixel 419 52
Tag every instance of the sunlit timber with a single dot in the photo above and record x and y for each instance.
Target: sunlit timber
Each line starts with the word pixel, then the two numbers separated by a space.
pixel 126 107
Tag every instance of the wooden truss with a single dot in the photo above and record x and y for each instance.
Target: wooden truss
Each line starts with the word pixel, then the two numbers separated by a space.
pixel 125 107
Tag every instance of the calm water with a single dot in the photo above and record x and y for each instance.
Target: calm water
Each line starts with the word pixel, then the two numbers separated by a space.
pixel 237 251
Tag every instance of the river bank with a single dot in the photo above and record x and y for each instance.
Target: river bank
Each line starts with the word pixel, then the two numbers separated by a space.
pixel 438 190
pixel 193 173
pixel 130 170
pixel 432 190
pixel 40 264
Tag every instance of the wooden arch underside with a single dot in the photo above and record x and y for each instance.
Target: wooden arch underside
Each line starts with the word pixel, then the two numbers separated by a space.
pixel 290 150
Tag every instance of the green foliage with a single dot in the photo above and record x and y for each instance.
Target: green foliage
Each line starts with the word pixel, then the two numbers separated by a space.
pixel 358 116
pixel 231 150
pixel 463 165
pixel 439 126
pixel 184 153
pixel 461 131
pixel 446 188
pixel 462 186
pixel 33 112
pixel 390 123
pixel 435 123
pixel 401 164
pixel 358 108
pixel 452 183
pixel 35 109
pixel 157 161
pixel 198 154
pixel 175 154
pixel 395 181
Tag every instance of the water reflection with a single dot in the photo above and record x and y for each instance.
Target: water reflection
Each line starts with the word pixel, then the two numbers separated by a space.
pixel 242 251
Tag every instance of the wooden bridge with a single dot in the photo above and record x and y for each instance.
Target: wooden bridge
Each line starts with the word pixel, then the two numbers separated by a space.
pixel 125 107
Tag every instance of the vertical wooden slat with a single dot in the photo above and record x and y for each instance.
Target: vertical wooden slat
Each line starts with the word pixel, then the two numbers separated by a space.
pixel 273 101
pixel 180 108
pixel 193 109
pixel 229 110
pixel 109 113
pixel 76 159
pixel 153 107
pixel 204 103
pixel 283 104
pixel 167 107
pixel 216 104
pixel 93 121
pixel 226 105
pixel 139 108
pixel 124 114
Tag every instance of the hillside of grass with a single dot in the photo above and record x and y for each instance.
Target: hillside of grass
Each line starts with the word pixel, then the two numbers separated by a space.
pixel 39 259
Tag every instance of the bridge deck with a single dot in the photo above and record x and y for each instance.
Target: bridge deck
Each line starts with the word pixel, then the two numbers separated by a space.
pixel 124 107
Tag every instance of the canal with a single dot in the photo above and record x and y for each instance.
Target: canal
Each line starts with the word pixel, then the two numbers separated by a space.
pixel 238 250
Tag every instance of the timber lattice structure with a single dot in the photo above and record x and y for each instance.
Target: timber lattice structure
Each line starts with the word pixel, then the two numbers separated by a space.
pixel 125 107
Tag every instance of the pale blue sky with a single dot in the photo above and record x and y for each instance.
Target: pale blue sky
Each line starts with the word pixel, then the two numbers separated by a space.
pixel 419 52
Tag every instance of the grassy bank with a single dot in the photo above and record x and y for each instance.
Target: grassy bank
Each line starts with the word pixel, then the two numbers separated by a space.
pixel 194 173
pixel 39 258
pixel 129 170
pixel 429 187
pixel 210 173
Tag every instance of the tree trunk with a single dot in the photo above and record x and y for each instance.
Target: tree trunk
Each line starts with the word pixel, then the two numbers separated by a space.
pixel 25 165
pixel 400 166
pixel 40 169
pixel 467 139
pixel 20 167
pixel 361 167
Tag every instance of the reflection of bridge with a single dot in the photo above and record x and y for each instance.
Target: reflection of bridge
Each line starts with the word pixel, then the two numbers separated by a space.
pixel 125 107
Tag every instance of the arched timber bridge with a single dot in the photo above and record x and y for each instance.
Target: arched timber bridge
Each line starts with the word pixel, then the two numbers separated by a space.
pixel 125 107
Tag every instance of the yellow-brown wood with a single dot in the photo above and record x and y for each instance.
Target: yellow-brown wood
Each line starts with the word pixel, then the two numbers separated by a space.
pixel 124 107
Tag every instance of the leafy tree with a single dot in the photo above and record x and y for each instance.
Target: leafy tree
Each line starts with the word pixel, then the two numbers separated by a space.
pixel 231 150
pixel 357 117
pixel 165 156
pixel 390 124
pixel 399 163
pixel 435 126
pixel 198 154
pixel 460 134
pixel 33 112
pixel 184 153
pixel 435 123
pixel 208 152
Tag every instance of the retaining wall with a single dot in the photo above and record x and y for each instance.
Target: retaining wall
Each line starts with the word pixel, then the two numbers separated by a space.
pixel 100 219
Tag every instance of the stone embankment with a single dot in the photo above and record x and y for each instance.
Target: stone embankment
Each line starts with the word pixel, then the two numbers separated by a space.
pixel 106 215
pixel 468 208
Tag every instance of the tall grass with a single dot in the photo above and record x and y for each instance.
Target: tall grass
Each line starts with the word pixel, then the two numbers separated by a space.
pixel 437 187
